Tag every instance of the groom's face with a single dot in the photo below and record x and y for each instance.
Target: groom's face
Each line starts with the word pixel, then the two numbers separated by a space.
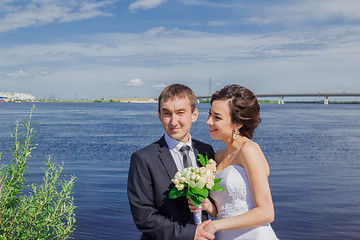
pixel 176 117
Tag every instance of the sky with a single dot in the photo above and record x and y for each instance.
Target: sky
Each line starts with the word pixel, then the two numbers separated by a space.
pixel 84 49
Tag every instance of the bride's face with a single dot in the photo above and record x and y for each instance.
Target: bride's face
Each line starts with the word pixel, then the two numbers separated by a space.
pixel 219 120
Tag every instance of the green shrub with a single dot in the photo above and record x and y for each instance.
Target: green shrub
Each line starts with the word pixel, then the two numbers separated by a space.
pixel 34 211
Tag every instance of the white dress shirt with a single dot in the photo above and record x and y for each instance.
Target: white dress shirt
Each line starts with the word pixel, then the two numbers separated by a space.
pixel 174 147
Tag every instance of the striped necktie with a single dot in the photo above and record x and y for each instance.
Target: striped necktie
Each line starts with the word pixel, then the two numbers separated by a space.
pixel 186 157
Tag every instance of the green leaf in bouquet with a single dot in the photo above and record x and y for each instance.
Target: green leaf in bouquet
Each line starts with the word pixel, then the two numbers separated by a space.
pixel 203 159
pixel 217 188
pixel 175 193
pixel 197 195
pixel 196 199
pixel 216 181
pixel 204 192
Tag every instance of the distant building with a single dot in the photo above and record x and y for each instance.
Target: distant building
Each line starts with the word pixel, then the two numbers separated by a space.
pixel 10 97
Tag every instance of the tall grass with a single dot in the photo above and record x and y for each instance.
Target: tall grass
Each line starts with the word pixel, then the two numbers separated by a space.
pixel 43 211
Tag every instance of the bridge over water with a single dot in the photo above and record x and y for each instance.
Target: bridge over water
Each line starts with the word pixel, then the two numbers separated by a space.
pixel 281 96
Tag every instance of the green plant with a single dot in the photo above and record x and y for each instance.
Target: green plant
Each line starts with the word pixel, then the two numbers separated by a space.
pixel 34 211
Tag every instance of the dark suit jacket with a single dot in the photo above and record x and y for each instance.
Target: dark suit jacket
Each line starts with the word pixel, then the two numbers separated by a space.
pixel 149 183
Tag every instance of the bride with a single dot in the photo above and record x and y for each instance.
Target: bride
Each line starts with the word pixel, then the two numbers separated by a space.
pixel 245 209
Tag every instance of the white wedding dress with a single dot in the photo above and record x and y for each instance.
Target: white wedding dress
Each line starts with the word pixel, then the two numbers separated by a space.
pixel 235 200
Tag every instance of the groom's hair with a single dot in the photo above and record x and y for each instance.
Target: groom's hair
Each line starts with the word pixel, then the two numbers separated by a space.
pixel 177 91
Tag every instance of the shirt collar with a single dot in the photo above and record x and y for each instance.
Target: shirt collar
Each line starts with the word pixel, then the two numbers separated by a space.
pixel 175 145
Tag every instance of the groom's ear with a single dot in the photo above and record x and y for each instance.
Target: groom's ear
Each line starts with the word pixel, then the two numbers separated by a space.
pixel 194 115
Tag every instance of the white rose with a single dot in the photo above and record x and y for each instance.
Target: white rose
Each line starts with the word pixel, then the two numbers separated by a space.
pixel 182 179
pixel 179 187
pixel 201 183
pixel 209 184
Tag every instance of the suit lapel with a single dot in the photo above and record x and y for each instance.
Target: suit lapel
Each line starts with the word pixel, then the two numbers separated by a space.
pixel 196 151
pixel 166 158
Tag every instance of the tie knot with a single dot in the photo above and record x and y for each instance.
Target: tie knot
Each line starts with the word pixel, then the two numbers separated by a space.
pixel 185 149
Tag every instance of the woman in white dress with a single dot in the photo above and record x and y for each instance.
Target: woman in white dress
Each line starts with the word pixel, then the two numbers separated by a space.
pixel 245 209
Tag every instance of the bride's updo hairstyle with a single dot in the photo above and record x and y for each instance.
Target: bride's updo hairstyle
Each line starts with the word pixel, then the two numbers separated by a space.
pixel 244 107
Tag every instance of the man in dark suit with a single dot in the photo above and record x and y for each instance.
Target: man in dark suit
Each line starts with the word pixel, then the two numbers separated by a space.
pixel 153 167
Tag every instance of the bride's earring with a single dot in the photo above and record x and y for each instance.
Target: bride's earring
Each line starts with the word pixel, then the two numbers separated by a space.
pixel 236 134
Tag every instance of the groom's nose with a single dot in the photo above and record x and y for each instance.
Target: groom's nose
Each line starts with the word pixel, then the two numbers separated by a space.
pixel 174 120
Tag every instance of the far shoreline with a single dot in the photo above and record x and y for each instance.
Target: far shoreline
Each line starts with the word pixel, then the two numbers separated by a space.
pixel 154 100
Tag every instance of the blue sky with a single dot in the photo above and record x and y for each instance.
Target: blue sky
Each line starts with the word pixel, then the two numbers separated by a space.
pixel 116 48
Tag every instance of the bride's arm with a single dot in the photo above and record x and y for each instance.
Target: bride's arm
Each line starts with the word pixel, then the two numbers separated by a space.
pixel 257 169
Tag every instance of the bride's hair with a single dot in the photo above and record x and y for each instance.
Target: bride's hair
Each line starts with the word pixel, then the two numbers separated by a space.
pixel 177 91
pixel 244 107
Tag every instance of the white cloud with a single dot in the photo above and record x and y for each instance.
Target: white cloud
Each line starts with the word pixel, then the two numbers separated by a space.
pixel 306 11
pixel 329 9
pixel 173 47
pixel 145 4
pixel 14 16
pixel 154 32
pixel 159 86
pixel 218 23
pixel 28 73
pixel 258 21
pixel 310 57
pixel 18 74
pixel 136 82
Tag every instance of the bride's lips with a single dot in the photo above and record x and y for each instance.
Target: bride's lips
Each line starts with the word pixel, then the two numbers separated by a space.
pixel 212 130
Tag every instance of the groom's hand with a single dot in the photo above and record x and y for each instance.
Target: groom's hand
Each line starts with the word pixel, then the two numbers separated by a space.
pixel 201 234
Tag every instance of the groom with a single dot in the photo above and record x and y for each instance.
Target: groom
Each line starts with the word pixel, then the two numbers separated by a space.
pixel 153 167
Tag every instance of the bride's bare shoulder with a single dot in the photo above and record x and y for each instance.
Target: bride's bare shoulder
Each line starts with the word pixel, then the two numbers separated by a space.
pixel 219 155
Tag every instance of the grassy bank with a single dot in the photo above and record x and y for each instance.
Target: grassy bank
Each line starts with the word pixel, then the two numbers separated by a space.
pixel 118 100
pixel 154 100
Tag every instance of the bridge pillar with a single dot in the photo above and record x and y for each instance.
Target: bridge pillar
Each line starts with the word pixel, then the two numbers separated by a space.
pixel 326 100
pixel 280 100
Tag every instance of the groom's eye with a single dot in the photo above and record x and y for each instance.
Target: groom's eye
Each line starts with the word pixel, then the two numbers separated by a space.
pixel 165 113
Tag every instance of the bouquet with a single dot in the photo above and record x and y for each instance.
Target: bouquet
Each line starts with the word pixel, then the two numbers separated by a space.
pixel 196 182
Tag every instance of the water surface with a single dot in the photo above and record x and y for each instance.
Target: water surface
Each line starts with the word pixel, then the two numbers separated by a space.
pixel 313 151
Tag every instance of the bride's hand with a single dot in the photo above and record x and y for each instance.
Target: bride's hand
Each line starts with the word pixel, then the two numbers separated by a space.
pixel 205 204
pixel 210 227
pixel 192 206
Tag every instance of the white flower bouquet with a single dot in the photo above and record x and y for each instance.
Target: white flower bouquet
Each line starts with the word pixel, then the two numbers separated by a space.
pixel 196 182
